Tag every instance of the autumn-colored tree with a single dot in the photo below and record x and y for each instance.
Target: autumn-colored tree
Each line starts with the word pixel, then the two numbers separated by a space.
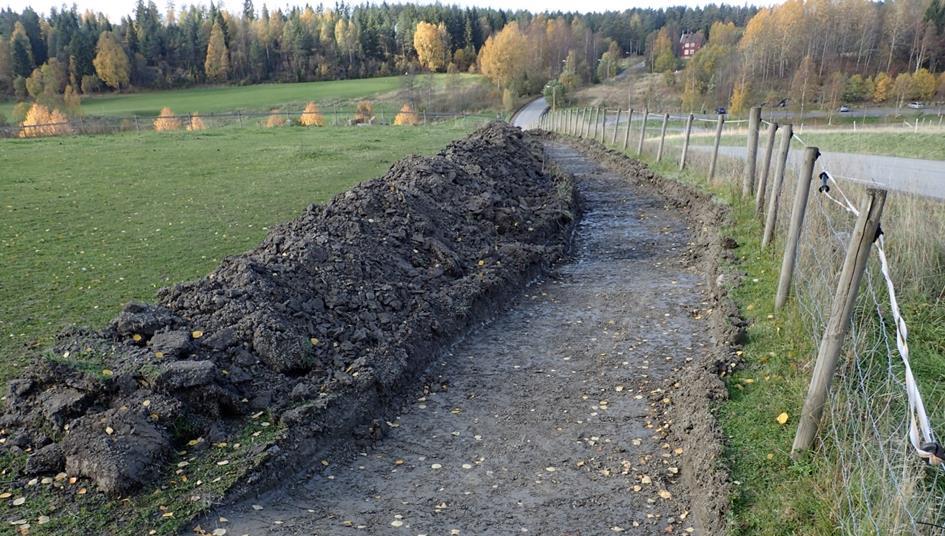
pixel 111 62
pixel 664 59
pixel 739 101
pixel 804 83
pixel 903 88
pixel 40 122
pixel 166 121
pixel 941 87
pixel 217 63
pixel 609 62
pixel 72 100
pixel 311 116
pixel 196 123
pixel 364 112
pixel 924 83
pixel 502 58
pixel 882 88
pixel 275 119
pixel 406 116
pixel 432 45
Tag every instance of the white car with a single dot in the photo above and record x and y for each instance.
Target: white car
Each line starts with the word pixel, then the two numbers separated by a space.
pixel 916 105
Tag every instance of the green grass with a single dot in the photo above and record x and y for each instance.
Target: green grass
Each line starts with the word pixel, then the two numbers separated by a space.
pixel 89 223
pixel 254 97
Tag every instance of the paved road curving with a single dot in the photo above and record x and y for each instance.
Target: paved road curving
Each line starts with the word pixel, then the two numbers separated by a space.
pixel 530 114
pixel 541 421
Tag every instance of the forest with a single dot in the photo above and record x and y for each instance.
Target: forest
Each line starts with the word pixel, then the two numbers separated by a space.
pixel 812 53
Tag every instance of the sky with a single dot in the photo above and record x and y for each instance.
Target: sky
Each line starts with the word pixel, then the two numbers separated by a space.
pixel 115 9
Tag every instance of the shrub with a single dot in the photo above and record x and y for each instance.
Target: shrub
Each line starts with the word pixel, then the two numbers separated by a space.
pixel 311 116
pixel 196 123
pixel 275 119
pixel 406 116
pixel 166 121
pixel 364 112
pixel 40 121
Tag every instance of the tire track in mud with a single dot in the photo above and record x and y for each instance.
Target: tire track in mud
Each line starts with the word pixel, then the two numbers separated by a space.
pixel 546 420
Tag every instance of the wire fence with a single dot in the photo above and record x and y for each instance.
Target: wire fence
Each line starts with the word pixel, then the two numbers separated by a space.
pixel 876 430
pixel 332 117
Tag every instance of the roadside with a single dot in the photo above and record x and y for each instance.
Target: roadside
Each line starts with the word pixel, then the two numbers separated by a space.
pixel 586 429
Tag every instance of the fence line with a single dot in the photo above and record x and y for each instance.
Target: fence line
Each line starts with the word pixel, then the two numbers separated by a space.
pixel 877 426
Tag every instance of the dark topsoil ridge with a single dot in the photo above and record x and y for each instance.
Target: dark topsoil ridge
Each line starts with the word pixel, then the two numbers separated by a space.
pixel 699 387
pixel 320 326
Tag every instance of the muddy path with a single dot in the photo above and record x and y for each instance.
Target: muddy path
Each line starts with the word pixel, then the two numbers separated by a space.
pixel 545 421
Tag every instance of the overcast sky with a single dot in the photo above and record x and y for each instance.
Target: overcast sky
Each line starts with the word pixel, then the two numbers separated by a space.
pixel 115 9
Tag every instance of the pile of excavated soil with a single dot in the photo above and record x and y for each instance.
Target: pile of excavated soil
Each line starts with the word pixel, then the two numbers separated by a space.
pixel 319 326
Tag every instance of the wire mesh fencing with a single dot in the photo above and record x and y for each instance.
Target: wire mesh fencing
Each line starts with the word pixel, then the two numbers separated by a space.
pixel 877 432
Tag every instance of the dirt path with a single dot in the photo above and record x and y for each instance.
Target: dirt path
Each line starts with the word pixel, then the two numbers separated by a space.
pixel 544 421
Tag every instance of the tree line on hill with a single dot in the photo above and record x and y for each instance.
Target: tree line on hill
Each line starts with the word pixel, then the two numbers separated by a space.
pixel 57 57
pixel 820 53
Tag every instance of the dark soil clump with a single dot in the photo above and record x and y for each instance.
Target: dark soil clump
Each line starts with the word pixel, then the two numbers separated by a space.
pixel 320 326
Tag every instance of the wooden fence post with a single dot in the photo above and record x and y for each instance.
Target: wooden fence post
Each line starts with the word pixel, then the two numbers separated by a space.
pixel 715 152
pixel 590 122
pixel 137 128
pixel 603 125
pixel 685 145
pixel 239 116
pixel 646 115
pixel 797 223
pixel 659 152
pixel 841 313
pixel 765 168
pixel 748 178
pixel 771 217
pixel 616 128
pixel 595 118
pixel 626 136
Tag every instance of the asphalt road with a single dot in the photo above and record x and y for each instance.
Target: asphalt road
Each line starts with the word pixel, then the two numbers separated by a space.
pixel 530 114
pixel 910 175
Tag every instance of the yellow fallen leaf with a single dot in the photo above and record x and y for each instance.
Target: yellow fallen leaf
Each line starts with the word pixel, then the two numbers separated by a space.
pixel 107 373
pixel 196 334
pixel 314 341
pixel 109 430
pixel 5 495
pixel 82 491
pixel 665 494
pixel 136 337
pixel 223 462
pixel 18 501
pixel 645 480
pixel 782 418
pixel 159 355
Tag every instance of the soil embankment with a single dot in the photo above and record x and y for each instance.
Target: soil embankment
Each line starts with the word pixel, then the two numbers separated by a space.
pixel 320 327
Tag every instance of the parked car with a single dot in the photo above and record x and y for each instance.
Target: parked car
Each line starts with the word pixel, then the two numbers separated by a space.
pixel 916 105
pixel 844 108
pixel 721 110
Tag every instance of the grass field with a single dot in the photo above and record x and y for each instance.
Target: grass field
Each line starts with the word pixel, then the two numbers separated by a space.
pixel 254 97
pixel 89 223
